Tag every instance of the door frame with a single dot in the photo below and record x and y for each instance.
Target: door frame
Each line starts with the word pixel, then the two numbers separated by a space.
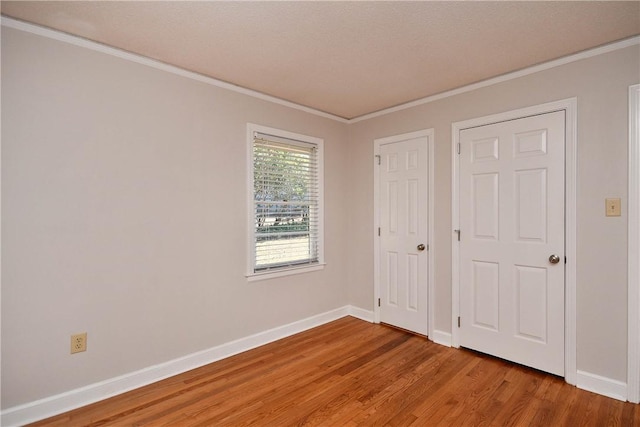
pixel 570 107
pixel 633 258
pixel 377 143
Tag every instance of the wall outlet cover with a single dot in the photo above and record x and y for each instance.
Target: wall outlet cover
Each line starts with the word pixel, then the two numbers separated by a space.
pixel 78 343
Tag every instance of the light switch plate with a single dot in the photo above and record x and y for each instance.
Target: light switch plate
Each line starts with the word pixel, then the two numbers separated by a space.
pixel 612 207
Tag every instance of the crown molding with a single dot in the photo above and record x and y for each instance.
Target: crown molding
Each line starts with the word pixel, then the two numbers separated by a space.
pixel 633 41
pixel 99 47
pixel 139 59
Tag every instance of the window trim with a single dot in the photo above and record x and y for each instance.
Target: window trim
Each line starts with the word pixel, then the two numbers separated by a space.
pixel 251 275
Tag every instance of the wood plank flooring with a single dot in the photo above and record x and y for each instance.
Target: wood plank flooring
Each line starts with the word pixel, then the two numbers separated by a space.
pixel 353 373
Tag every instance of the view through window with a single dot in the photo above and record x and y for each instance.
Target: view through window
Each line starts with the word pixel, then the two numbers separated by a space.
pixel 286 203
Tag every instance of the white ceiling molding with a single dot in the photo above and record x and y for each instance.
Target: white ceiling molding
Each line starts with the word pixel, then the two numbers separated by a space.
pixel 139 59
pixel 88 44
pixel 633 41
pixel 346 59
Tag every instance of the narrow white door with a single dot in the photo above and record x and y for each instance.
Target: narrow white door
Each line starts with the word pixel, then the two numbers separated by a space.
pixel 512 240
pixel 403 215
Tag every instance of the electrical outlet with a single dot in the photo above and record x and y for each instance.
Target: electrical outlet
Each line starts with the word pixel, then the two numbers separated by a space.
pixel 78 343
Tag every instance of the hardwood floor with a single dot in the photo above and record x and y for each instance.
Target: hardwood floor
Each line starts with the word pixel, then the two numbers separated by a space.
pixel 353 373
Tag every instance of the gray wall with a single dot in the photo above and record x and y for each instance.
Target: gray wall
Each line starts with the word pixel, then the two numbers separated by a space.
pixel 124 211
pixel 123 214
pixel 601 86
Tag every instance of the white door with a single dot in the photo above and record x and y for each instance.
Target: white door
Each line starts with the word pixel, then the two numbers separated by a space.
pixel 512 240
pixel 403 220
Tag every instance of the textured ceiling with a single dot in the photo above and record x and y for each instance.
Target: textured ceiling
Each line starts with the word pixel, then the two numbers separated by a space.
pixel 344 58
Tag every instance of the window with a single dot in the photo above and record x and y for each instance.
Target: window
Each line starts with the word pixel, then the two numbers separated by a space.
pixel 285 183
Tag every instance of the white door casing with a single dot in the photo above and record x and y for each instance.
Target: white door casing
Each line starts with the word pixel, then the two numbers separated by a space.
pixel 512 222
pixel 403 266
pixel 633 359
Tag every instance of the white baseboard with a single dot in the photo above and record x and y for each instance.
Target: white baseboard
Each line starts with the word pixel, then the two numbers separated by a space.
pixel 442 338
pixel 53 405
pixel 602 385
pixel 361 313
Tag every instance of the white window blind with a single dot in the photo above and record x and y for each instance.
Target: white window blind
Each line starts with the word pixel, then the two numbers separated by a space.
pixel 285 203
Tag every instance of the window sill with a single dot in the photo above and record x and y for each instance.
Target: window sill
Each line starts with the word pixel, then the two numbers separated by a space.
pixel 254 277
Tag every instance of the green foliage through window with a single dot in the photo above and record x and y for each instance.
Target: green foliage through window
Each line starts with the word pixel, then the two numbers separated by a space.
pixel 285 203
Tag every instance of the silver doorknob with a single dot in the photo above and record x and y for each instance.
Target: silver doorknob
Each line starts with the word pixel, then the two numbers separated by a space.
pixel 554 259
pixel 421 247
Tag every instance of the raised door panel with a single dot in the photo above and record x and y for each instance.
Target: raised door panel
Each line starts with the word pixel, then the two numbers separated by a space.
pixel 486 294
pixel 531 312
pixel 391 278
pixel 531 205
pixel 485 202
